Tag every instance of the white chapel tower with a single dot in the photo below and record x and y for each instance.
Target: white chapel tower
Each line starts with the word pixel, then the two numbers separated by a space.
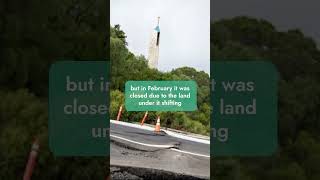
pixel 153 53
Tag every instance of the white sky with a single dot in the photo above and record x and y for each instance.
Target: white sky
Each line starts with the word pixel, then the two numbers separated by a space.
pixel 184 26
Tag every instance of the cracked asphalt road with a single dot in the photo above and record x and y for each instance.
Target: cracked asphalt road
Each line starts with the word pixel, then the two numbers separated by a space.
pixel 130 154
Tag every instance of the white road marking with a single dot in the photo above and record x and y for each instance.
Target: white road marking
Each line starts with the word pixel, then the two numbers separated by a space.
pixel 173 134
pixel 180 136
pixel 160 146
pixel 143 144
pixel 186 152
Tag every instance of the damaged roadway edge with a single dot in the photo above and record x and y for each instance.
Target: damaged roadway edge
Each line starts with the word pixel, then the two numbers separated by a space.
pixel 155 153
pixel 134 173
pixel 134 145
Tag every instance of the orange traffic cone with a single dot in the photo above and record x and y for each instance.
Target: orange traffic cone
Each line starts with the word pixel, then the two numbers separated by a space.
pixel 144 118
pixel 157 128
pixel 32 160
pixel 119 113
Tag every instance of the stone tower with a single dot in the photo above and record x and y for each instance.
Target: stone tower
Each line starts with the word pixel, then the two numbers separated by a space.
pixel 153 53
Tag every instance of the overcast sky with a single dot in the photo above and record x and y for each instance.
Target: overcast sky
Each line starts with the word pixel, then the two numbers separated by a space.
pixel 284 14
pixel 184 25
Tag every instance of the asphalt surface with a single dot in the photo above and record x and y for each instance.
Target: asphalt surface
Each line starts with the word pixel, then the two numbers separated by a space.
pixel 133 147
pixel 148 137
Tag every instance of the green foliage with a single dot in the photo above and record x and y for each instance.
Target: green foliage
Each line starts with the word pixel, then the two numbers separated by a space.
pixel 34 34
pixel 127 66
pixel 24 117
pixel 298 62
